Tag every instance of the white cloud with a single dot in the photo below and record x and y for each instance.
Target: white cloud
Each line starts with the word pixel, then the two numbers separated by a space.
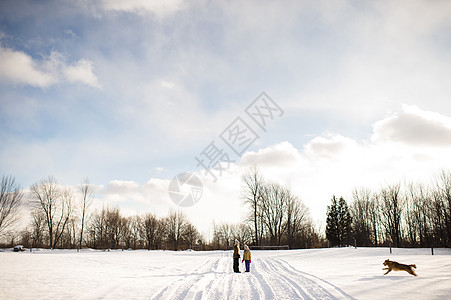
pixel 414 127
pixel 19 68
pixel 156 7
pixel 81 72
pixel 282 155
pixel 134 198
pixel 121 187
pixel 330 146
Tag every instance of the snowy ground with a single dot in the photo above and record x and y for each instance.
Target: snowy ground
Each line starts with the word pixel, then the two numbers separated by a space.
pixel 345 273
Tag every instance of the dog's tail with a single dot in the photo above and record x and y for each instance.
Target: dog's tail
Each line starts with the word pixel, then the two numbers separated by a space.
pixel 415 266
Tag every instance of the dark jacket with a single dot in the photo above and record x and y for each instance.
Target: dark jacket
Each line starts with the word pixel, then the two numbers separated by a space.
pixel 236 251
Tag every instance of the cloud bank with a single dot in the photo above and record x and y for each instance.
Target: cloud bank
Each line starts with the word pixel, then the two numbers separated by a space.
pixel 327 165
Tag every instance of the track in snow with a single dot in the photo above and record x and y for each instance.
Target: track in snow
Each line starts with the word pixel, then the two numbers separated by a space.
pixel 270 278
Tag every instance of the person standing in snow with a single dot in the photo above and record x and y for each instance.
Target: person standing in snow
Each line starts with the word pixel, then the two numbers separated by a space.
pixel 236 257
pixel 247 258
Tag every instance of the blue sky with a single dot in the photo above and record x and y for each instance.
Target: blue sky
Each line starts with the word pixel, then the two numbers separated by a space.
pixel 128 93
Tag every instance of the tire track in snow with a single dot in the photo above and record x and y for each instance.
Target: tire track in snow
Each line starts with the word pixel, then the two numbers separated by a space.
pixel 218 287
pixel 266 291
pixel 333 290
pixel 303 287
pixel 226 284
pixel 209 281
pixel 213 280
pixel 270 278
pixel 278 283
pixel 180 288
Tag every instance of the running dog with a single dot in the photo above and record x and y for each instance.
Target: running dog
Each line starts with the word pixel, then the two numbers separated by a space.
pixel 395 266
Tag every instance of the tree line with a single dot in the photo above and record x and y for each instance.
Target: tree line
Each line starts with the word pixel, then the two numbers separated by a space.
pixel 403 215
pixel 61 218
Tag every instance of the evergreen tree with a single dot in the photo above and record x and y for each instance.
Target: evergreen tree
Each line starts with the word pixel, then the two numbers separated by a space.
pixel 338 223
pixel 332 233
pixel 345 222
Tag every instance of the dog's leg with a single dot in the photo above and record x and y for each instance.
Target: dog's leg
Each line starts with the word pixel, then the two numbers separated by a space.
pixel 387 272
pixel 412 271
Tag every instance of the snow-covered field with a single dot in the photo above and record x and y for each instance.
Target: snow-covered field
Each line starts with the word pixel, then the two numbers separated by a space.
pixel 344 273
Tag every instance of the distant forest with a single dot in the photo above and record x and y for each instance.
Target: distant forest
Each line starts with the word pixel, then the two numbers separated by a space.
pixel 402 215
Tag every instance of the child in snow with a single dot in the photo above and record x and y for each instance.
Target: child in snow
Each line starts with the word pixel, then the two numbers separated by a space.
pixel 236 257
pixel 247 258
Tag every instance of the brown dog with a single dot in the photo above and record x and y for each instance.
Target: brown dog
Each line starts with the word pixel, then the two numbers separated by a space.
pixel 395 266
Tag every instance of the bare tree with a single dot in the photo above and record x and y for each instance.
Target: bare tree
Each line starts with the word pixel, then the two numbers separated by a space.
pixel 191 235
pixel 392 209
pixel 131 231
pixel 275 213
pixel 243 232
pixel 37 228
pixel 412 214
pixel 116 225
pixel 444 186
pixel 216 236
pixel 438 219
pixel 275 200
pixel 161 233
pixel 26 238
pixel 297 215
pixel 72 232
pixel 149 230
pixel 419 212
pixel 10 201
pixel 135 228
pixel 85 202
pixel 175 226
pixel 227 233
pixel 56 206
pixel 127 232
pixel 65 215
pixel 361 216
pixel 374 218
pixel 308 235
pixel 97 229
pixel 251 193
pixel 107 228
